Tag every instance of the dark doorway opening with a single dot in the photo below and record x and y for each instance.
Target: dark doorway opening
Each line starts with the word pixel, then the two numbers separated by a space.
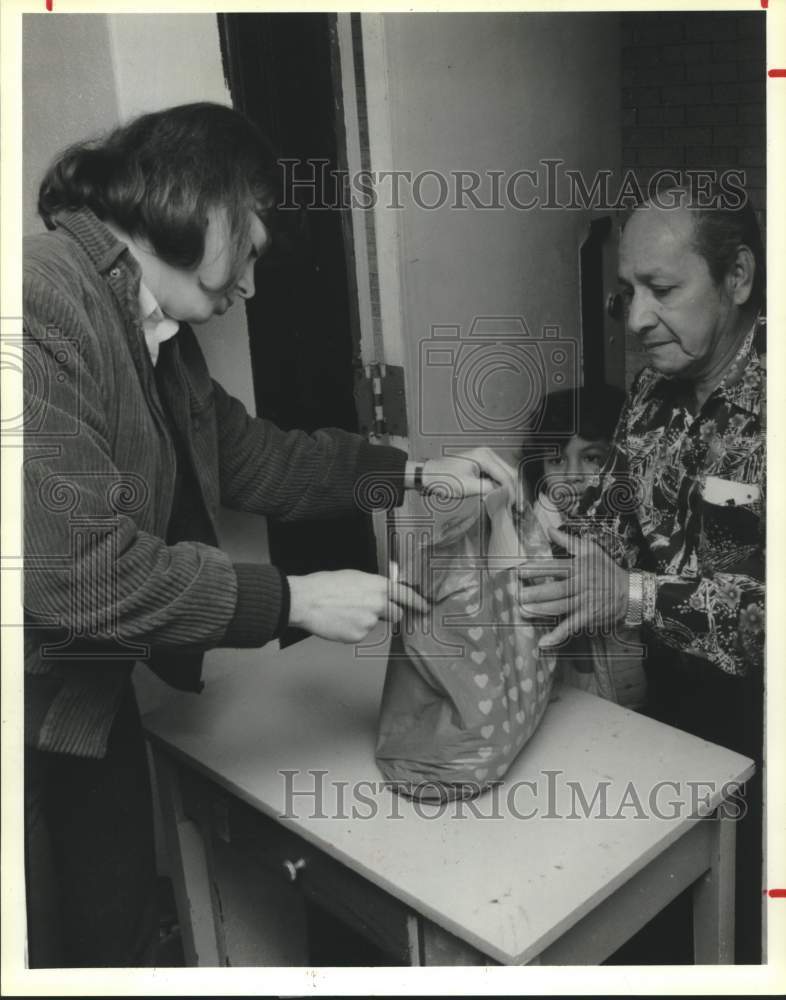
pixel 282 70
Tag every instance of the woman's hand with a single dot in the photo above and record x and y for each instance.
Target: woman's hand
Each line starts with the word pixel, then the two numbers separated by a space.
pixel 474 473
pixel 590 589
pixel 346 604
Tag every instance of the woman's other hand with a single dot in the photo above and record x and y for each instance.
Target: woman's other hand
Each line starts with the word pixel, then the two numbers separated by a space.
pixel 474 473
pixel 345 605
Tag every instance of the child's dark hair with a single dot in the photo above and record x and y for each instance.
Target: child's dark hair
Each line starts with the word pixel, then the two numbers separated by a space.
pixel 158 176
pixel 592 414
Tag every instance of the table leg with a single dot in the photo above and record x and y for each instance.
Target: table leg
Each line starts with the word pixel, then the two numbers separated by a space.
pixel 713 898
pixel 188 870
pixel 440 947
pixel 413 940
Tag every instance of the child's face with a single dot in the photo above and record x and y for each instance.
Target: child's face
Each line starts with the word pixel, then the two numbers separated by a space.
pixel 569 473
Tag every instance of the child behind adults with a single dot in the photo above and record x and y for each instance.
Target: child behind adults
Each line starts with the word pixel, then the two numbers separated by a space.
pixel 561 459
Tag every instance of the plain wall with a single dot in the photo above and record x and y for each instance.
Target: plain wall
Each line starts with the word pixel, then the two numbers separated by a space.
pixel 694 98
pixel 165 59
pixel 68 92
pixel 494 92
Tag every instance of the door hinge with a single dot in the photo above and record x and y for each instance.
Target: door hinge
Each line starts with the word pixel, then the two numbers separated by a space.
pixel 380 400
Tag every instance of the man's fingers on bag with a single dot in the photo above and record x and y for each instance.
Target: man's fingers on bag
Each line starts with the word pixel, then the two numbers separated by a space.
pixel 545 567
pixel 540 592
pixel 556 608
pixel 563 631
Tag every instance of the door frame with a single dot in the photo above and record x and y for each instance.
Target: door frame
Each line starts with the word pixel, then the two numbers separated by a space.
pixel 375 231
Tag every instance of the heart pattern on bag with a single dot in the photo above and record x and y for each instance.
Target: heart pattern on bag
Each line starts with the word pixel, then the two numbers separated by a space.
pixel 514 683
pixel 495 684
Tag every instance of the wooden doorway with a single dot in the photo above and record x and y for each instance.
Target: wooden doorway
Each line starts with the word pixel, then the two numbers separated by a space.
pixel 282 71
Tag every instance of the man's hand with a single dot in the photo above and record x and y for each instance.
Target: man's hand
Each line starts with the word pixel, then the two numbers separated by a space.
pixel 346 604
pixel 590 589
pixel 475 473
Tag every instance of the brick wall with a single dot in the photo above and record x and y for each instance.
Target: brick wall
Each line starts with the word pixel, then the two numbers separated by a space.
pixel 693 97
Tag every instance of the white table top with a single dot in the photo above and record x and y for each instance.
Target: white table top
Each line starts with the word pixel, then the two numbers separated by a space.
pixel 507 885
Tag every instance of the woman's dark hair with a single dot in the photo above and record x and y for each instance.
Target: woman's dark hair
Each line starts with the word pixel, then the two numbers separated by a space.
pixel 590 413
pixel 159 176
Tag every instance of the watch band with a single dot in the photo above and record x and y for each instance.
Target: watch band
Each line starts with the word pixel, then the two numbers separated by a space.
pixel 649 596
pixel 417 476
pixel 634 616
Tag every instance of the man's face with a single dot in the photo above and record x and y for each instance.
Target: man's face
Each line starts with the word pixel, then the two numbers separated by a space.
pixel 672 304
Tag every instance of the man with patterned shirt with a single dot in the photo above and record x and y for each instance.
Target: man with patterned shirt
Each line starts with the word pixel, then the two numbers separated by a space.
pixel 678 509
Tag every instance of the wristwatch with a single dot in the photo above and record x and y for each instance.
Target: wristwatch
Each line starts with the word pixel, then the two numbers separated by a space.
pixel 633 616
pixel 414 476
pixel 642 591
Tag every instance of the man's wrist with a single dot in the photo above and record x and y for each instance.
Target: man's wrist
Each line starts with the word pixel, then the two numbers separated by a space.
pixel 296 610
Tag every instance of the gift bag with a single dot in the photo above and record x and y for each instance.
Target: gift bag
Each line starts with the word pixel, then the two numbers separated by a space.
pixel 466 685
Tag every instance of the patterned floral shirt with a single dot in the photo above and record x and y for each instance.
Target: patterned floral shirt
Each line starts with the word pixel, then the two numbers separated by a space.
pixel 682 497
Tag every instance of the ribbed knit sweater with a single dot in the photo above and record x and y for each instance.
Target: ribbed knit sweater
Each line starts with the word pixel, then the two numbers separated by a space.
pixel 103 588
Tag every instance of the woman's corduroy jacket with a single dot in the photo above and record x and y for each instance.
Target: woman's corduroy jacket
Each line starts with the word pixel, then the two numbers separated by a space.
pixel 103 589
